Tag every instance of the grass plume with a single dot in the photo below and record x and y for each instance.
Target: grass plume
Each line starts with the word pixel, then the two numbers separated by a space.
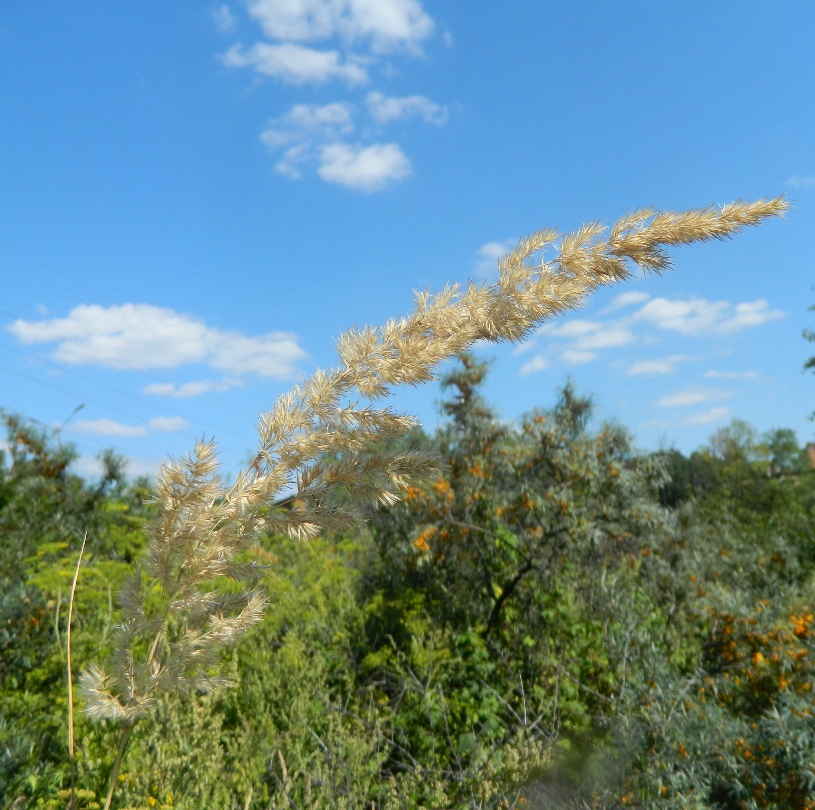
pixel 327 436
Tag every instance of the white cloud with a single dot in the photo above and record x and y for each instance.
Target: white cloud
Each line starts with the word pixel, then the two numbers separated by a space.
pixel 796 181
pixel 142 337
pixel 224 20
pixel 366 168
pixel 303 130
pixel 700 317
pixel 314 134
pixel 664 365
pixel 576 357
pixel 110 427
pixel 168 424
pixel 649 424
pixel 584 338
pixel 626 300
pixel 389 25
pixel 191 389
pixel 731 375
pixel 707 417
pixel 90 467
pixel 371 28
pixel 107 427
pixel 593 334
pixel 330 120
pixel 691 396
pixel 384 109
pixel 489 253
pixel 296 64
pixel 535 365
pixel 608 336
pixel 269 355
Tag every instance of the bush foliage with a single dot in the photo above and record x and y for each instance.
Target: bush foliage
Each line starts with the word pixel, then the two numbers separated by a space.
pixel 556 620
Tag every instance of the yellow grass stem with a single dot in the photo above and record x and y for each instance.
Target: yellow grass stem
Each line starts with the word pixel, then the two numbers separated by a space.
pixel 71 756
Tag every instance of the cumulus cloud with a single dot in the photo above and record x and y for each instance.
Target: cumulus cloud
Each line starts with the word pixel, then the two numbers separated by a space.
pixel 691 396
pixel 796 181
pixel 142 337
pixel 533 366
pixel 384 109
pixel 388 25
pixel 311 134
pixel 355 36
pixel 191 389
pixel 365 168
pixel 698 316
pixel 663 365
pixel 296 64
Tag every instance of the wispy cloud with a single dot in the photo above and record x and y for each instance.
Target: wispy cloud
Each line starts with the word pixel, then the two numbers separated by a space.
pixel 578 357
pixel 534 366
pixel 224 20
pixel 583 340
pixel 304 130
pixel 90 467
pixel 384 109
pixel 296 64
pixel 168 424
pixel 110 427
pixel 626 299
pixel 706 417
pixel 488 255
pixel 191 389
pixel 580 341
pixel 663 365
pixel 691 396
pixel 731 375
pixel 107 427
pixel 143 337
pixel 797 181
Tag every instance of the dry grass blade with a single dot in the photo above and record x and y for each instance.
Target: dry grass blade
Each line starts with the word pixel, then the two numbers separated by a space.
pixel 69 664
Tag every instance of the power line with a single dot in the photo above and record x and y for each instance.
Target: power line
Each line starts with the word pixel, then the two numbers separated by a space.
pixel 113 389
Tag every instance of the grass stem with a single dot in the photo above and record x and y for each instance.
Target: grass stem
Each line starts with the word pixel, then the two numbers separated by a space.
pixel 71 754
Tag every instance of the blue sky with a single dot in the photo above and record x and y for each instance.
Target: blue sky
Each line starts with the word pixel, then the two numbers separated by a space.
pixel 196 199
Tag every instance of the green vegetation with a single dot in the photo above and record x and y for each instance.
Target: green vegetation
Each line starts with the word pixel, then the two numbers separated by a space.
pixel 551 616
pixel 555 620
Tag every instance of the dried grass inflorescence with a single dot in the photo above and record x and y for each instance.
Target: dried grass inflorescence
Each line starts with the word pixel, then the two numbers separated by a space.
pixel 319 440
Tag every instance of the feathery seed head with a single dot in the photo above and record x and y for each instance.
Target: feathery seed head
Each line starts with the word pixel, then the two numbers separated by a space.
pixel 320 439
